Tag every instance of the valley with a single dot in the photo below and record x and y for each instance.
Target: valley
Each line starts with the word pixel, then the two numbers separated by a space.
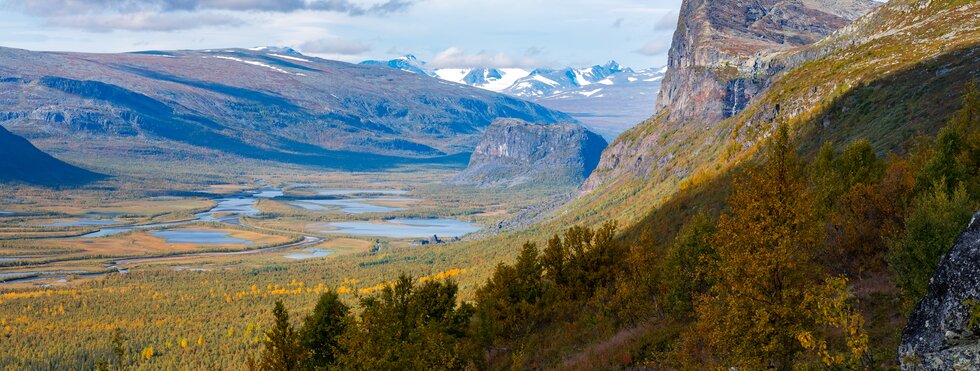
pixel 800 192
pixel 46 241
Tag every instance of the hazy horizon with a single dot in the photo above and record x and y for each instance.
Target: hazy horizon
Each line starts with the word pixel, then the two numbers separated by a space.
pixel 447 34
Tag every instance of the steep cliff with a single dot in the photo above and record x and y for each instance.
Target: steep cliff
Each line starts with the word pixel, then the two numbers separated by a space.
pixel 722 51
pixel 889 76
pixel 723 54
pixel 513 152
pixel 943 332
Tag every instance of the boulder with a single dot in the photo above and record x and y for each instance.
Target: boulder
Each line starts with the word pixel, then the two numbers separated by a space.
pixel 942 333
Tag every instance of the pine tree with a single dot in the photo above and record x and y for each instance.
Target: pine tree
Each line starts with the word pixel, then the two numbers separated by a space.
pixel 321 330
pixel 283 350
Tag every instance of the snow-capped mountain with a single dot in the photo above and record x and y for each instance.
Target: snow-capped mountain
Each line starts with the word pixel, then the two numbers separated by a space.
pixel 407 63
pixel 609 98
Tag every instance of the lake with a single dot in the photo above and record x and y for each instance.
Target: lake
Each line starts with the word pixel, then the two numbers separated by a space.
pixel 403 228
pixel 200 236
pixel 310 253
pixel 350 206
pixel 348 192
pixel 84 223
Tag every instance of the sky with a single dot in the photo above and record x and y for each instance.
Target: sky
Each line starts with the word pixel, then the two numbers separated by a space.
pixel 446 33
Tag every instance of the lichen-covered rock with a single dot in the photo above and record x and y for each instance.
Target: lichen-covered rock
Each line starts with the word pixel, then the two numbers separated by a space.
pixel 939 335
pixel 513 152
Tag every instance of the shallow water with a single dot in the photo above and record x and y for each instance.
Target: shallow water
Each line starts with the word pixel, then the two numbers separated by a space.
pixel 269 193
pixel 204 237
pixel 233 208
pixel 350 206
pixel 348 192
pixel 311 253
pixel 404 228
pixel 84 223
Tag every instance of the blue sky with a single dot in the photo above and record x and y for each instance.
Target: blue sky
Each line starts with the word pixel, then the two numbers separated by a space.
pixel 448 33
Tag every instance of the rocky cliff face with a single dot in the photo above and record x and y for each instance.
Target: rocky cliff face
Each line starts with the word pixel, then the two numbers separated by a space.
pixel 513 152
pixel 724 53
pixel 942 333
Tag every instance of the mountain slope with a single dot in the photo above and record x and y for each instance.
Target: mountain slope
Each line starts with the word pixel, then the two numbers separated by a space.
pixel 721 57
pixel 254 103
pixel 21 161
pixel 892 75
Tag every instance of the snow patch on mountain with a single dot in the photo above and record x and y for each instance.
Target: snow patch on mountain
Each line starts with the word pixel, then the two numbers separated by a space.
pixel 609 98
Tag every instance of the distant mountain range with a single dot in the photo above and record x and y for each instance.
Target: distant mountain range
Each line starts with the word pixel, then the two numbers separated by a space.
pixel 609 98
pixel 265 103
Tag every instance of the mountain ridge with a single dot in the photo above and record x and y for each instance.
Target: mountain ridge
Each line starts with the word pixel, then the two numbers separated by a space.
pixel 252 103
pixel 608 98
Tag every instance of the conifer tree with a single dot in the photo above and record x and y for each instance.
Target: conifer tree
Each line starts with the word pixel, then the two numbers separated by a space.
pixel 752 316
pixel 321 331
pixel 283 350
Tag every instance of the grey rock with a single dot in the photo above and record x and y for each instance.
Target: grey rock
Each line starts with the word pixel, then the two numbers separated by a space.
pixel 513 152
pixel 938 335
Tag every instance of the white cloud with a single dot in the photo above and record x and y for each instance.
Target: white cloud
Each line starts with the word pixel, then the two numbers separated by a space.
pixel 457 58
pixel 334 45
pixel 654 48
pixel 667 23
pixel 146 21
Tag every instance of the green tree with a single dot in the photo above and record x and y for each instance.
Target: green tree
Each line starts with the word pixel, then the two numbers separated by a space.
pixel 753 313
pixel 321 331
pixel 687 262
pixel 833 174
pixel 930 230
pixel 409 327
pixel 508 305
pixel 283 350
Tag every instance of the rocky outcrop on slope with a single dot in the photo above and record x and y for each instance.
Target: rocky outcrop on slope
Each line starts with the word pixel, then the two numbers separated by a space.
pixel 943 333
pixel 513 152
pixel 722 56
pixel 722 50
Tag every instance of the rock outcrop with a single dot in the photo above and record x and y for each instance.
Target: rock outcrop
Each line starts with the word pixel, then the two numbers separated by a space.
pixel 942 333
pixel 722 50
pixel 723 54
pixel 20 161
pixel 513 152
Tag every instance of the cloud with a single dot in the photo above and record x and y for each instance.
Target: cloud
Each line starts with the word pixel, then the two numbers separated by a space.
pixel 335 45
pixel 618 23
pixel 458 58
pixel 146 22
pixel 54 8
pixel 654 48
pixel 667 23
pixel 533 51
